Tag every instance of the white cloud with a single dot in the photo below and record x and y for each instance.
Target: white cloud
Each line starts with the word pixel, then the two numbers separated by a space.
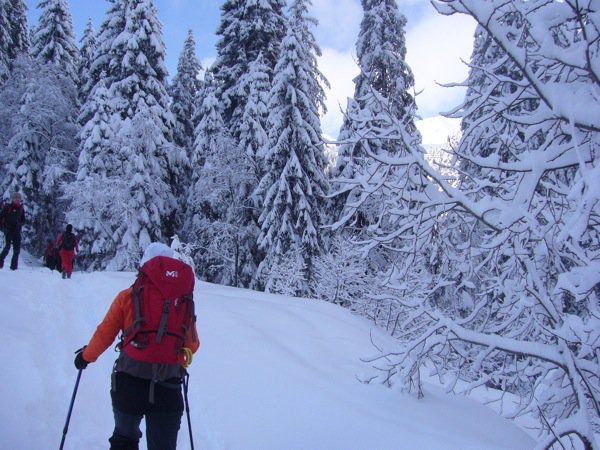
pixel 339 22
pixel 207 62
pixel 435 47
pixel 340 69
pixel 436 130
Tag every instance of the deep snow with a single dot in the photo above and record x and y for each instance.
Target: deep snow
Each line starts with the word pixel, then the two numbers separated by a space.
pixel 273 372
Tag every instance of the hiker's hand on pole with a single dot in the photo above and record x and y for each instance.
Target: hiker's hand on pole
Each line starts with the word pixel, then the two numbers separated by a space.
pixel 80 363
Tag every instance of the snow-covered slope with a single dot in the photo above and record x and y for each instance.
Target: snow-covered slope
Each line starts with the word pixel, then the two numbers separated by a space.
pixel 272 373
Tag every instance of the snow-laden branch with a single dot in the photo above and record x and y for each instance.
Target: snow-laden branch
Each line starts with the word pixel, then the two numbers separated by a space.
pixel 577 101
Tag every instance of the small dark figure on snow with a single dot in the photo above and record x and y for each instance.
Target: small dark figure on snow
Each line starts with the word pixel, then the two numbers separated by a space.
pixel 68 244
pixel 12 219
pixel 51 256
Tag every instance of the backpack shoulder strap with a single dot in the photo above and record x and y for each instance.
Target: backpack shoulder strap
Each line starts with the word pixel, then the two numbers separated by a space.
pixel 136 292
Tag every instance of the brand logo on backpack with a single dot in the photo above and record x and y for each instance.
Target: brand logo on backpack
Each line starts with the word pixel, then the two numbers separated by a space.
pixel 172 274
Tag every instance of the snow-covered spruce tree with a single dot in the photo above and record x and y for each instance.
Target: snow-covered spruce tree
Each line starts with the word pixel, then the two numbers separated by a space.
pixel 226 180
pixel 101 69
pixel 252 130
pixel 371 196
pixel 534 323
pixel 211 137
pixel 183 91
pixel 86 57
pixel 247 29
pixel 294 182
pixel 252 139
pixel 42 111
pixel 99 183
pixel 131 92
pixel 14 34
pixel 5 41
pixel 215 218
pixel 141 96
pixel 18 26
pixel 147 205
pixel 54 40
pixel 287 275
pixel 14 41
pixel 38 104
pixel 53 43
pixel 383 88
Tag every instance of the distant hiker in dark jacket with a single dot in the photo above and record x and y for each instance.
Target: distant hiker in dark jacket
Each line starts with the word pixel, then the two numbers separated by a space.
pixel 12 219
pixel 67 244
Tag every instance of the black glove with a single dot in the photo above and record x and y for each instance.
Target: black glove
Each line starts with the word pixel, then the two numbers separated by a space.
pixel 80 363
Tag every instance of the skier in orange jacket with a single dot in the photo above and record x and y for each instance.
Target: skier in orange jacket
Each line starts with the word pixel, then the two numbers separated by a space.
pixel 135 392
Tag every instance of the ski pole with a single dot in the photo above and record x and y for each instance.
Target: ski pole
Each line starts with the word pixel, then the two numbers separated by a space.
pixel 187 407
pixel 66 428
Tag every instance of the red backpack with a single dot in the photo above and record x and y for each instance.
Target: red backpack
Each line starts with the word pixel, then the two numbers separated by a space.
pixel 163 312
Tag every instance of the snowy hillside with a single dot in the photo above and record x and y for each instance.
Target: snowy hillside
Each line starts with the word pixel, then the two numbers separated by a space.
pixel 272 373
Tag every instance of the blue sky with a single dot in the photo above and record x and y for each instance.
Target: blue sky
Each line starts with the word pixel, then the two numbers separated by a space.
pixel 435 44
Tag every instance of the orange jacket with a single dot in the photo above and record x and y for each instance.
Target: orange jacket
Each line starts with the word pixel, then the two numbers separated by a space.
pixel 118 318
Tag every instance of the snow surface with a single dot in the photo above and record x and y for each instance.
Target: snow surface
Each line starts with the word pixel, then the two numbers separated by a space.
pixel 273 372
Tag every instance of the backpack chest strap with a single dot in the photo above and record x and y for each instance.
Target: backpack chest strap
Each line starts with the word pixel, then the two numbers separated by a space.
pixel 137 311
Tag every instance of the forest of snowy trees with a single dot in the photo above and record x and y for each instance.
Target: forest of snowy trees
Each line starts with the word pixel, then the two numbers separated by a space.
pixel 485 266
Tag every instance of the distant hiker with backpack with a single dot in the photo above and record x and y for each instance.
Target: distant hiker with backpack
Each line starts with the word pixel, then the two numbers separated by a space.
pixel 51 258
pixel 12 219
pixel 67 243
pixel 157 321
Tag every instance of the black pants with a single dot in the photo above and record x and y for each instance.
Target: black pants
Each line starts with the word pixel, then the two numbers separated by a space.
pixel 11 238
pixel 131 403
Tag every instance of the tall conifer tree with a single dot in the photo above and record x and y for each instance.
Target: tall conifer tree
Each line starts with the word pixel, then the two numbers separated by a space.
pixel 5 41
pixel 14 34
pixel 217 171
pixel 253 135
pixel 248 29
pixel 19 28
pixel 14 41
pixel 382 95
pixel 294 181
pixel 86 53
pixel 101 71
pixel 54 39
pixel 43 108
pixel 129 104
pixel 379 184
pixel 183 91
